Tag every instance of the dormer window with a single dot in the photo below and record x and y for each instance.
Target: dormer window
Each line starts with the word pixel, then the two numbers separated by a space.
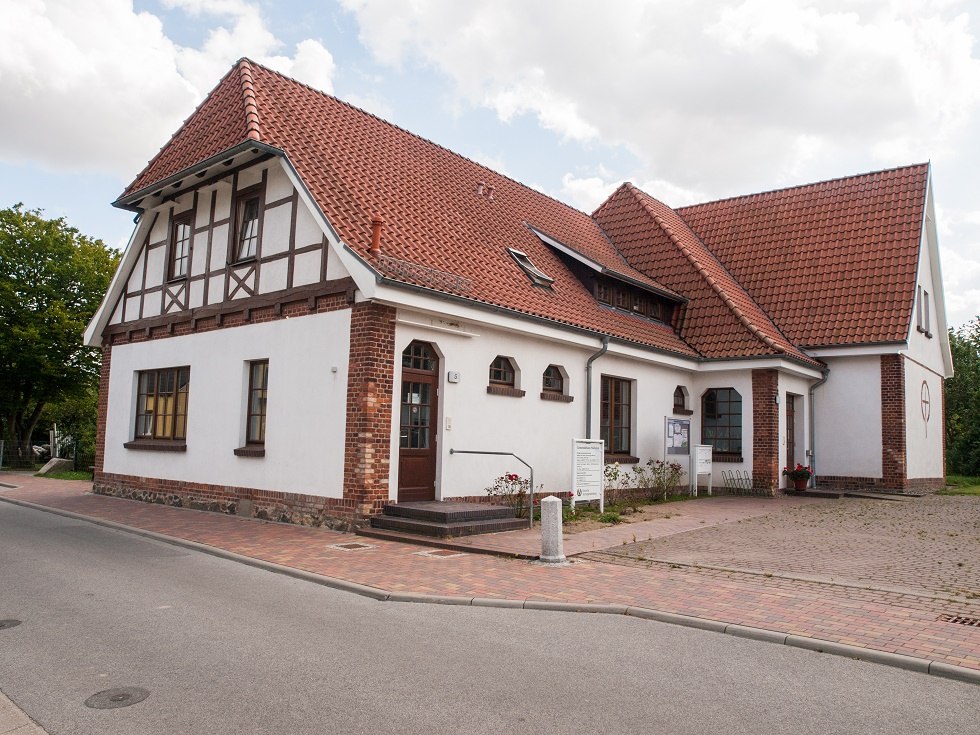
pixel 537 276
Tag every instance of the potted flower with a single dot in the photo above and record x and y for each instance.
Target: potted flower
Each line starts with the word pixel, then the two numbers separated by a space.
pixel 800 475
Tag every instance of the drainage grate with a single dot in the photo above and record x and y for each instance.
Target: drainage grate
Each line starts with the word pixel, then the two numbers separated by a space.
pixel 352 546
pixel 440 553
pixel 9 623
pixel 116 698
pixel 960 619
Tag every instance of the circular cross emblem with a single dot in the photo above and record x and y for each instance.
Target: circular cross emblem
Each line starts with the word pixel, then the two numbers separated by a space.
pixel 926 407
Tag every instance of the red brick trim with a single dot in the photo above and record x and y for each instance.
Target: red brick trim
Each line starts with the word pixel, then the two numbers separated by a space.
pixel 558 397
pixel 503 390
pixel 250 452
pixel 102 406
pixel 321 297
pixel 370 391
pixel 156 445
pixel 765 431
pixel 844 482
pixel 894 466
pixel 304 510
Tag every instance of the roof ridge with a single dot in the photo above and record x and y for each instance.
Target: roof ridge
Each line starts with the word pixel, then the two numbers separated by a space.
pixel 252 129
pixel 802 186
pixel 715 286
pixel 422 138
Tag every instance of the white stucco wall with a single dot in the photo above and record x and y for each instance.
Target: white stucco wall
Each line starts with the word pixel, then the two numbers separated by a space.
pixel 540 431
pixel 740 380
pixel 923 423
pixel 927 351
pixel 306 405
pixel 848 418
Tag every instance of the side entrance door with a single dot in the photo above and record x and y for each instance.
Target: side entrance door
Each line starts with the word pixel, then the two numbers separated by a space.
pixel 419 419
pixel 790 431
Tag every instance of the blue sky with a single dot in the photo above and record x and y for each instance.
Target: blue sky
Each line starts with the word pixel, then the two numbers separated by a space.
pixel 690 101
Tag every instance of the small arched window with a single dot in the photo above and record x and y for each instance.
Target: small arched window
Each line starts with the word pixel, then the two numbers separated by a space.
pixel 553 381
pixel 502 371
pixel 680 399
pixel 419 356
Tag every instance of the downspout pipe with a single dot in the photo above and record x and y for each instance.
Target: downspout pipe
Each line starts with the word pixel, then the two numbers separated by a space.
pixel 813 424
pixel 588 385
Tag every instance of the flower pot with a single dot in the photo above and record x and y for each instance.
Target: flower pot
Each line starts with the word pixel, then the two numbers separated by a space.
pixel 800 484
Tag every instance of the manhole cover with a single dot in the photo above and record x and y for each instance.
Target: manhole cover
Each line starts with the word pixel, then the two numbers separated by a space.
pixel 351 546
pixel 115 698
pixel 10 623
pixel 441 553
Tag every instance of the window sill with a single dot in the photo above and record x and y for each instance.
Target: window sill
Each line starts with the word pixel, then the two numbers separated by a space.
pixel 559 397
pixel 157 445
pixel 177 279
pixel 683 412
pixel 250 452
pixel 243 261
pixel 621 459
pixel 731 458
pixel 505 390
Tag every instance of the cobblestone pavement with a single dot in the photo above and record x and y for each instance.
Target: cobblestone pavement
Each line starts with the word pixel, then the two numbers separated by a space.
pixel 928 545
pixel 898 622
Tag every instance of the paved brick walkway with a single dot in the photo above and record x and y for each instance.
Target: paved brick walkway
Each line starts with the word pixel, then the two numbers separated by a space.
pixel 888 621
pixel 928 545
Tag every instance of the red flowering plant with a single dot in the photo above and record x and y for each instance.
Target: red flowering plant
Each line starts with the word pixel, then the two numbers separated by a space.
pixel 800 472
pixel 511 489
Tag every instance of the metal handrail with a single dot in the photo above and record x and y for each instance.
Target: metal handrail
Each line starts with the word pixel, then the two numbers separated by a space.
pixel 530 500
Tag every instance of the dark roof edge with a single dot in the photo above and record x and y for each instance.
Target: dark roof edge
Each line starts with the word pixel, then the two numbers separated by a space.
pixel 128 201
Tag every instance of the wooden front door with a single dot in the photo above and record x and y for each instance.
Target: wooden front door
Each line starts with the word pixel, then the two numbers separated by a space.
pixel 790 431
pixel 419 420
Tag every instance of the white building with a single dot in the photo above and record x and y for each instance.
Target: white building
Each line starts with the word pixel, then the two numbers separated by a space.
pixel 316 306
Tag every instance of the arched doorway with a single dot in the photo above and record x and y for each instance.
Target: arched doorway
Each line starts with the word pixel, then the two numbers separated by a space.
pixel 418 422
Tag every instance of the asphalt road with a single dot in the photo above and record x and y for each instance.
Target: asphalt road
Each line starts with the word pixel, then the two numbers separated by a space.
pixel 226 648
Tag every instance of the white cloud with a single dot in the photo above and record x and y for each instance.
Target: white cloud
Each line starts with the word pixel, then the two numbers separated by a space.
pixel 98 86
pixel 718 98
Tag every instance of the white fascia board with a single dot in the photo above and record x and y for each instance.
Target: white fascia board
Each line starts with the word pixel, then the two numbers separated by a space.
pixel 775 363
pixel 448 314
pixel 562 247
pixel 365 277
pixel 892 348
pixel 93 332
pixel 930 240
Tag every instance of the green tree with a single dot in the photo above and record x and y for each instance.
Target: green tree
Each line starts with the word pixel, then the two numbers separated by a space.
pixel 962 400
pixel 52 279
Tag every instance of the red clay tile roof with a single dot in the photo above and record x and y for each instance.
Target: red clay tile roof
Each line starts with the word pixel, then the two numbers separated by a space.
pixel 438 232
pixel 833 263
pixel 721 320
pixel 830 263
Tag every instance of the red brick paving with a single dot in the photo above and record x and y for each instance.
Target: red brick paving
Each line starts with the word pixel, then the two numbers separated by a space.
pixel 887 621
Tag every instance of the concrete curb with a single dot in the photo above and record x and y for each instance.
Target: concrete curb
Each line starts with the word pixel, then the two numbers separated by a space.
pixel 896 660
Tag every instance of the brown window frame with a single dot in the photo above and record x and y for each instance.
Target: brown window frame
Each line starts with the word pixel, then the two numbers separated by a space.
pixel 612 395
pixel 551 383
pixel 503 372
pixel 680 399
pixel 184 219
pixel 250 438
pixel 729 445
pixel 240 203
pixel 151 425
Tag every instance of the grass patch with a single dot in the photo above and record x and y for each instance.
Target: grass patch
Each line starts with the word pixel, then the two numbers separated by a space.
pixel 961 485
pixel 68 475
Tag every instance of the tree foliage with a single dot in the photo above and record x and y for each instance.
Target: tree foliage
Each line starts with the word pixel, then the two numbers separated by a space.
pixel 52 279
pixel 963 401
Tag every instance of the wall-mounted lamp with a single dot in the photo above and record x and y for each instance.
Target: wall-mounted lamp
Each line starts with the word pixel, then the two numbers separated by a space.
pixel 775 398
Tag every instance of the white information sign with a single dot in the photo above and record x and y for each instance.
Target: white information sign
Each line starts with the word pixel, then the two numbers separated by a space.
pixel 588 462
pixel 700 465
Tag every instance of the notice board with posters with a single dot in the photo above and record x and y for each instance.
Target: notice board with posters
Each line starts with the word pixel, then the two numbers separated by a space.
pixel 677 436
pixel 588 464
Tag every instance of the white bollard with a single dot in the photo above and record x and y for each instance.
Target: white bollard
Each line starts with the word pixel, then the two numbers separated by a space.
pixel 552 547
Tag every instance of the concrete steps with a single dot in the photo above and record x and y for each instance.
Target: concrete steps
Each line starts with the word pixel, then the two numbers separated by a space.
pixel 445 520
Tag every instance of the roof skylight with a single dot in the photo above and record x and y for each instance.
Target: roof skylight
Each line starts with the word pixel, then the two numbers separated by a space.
pixel 537 276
